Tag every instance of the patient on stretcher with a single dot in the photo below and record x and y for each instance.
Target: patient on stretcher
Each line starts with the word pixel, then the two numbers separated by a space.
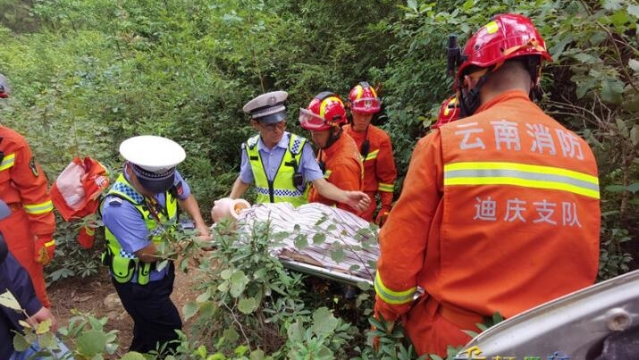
pixel 314 236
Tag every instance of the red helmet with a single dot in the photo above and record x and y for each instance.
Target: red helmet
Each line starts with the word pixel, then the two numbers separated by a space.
pixel 325 111
pixel 449 111
pixel 363 99
pixel 507 36
pixel 5 90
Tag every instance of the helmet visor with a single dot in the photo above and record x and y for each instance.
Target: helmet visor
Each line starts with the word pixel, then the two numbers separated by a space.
pixel 311 121
pixel 366 105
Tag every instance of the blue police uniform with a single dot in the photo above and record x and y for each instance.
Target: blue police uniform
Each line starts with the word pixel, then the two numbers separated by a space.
pixel 272 158
pixel 155 316
pixel 14 278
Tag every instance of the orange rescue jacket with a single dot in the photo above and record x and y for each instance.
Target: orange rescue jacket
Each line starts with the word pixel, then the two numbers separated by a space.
pixel 342 168
pixel 23 184
pixel 379 166
pixel 499 213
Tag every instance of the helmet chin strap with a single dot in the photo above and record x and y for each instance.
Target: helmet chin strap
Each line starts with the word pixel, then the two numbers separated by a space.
pixel 469 101
pixel 333 137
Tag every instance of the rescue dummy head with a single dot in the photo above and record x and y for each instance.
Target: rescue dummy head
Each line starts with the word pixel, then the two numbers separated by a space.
pixel 505 37
pixel 324 117
pixel 152 160
pixel 268 116
pixel 228 209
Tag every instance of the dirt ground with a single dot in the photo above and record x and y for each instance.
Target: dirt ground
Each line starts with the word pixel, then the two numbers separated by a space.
pixel 97 296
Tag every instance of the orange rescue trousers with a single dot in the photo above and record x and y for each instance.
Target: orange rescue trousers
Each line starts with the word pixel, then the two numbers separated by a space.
pixel 21 243
pixel 432 327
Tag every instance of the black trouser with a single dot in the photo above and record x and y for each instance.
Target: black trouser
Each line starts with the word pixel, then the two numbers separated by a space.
pixel 154 315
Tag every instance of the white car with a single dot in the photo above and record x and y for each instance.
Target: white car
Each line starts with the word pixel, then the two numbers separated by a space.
pixel 600 322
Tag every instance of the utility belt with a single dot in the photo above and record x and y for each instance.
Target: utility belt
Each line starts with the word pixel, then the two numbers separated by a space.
pixel 123 269
pixel 462 318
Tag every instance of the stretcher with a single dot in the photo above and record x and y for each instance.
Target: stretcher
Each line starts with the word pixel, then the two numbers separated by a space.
pixel 318 240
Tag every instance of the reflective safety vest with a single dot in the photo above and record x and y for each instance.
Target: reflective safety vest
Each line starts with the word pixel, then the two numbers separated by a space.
pixel 125 265
pixel 283 187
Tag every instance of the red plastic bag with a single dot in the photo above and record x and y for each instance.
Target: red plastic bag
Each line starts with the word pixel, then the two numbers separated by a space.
pixel 76 191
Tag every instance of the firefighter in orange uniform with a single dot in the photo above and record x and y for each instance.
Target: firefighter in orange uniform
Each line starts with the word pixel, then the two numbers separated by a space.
pixel 448 112
pixel 338 155
pixel 500 210
pixel 375 148
pixel 23 186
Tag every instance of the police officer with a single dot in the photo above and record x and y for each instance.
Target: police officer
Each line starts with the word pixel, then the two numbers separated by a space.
pixel 281 164
pixel 139 210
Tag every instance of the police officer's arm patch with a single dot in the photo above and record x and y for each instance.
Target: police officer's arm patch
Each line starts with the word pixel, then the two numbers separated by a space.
pixel 34 167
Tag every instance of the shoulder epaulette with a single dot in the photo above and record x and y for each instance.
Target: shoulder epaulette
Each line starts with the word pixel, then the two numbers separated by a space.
pixel 296 144
pixel 252 141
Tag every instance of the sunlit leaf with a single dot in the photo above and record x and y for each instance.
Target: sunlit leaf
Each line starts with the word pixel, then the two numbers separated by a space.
pixel 91 343
pixel 622 128
pixel 295 332
pixel 257 355
pixel 324 322
pixel 319 238
pixel 241 350
pixel 364 286
pixel 24 324
pixel 247 305
pixel 20 343
pixel 231 335
pixel 43 327
pixel 338 255
pixel 586 58
pixel 612 4
pixel 301 242
pixel 611 90
pixel 161 265
pixel 614 188
pixel 8 300
pixel 133 356
pixel 633 188
pixel 189 310
pixel 238 283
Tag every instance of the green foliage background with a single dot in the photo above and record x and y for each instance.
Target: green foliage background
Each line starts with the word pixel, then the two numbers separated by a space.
pixel 88 74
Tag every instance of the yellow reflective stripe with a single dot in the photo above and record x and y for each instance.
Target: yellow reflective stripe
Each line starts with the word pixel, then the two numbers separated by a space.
pixel 37 209
pixel 533 176
pixel 492 27
pixel 393 297
pixel 386 187
pixel 327 173
pixel 7 161
pixel 49 243
pixel 372 155
pixel 89 230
